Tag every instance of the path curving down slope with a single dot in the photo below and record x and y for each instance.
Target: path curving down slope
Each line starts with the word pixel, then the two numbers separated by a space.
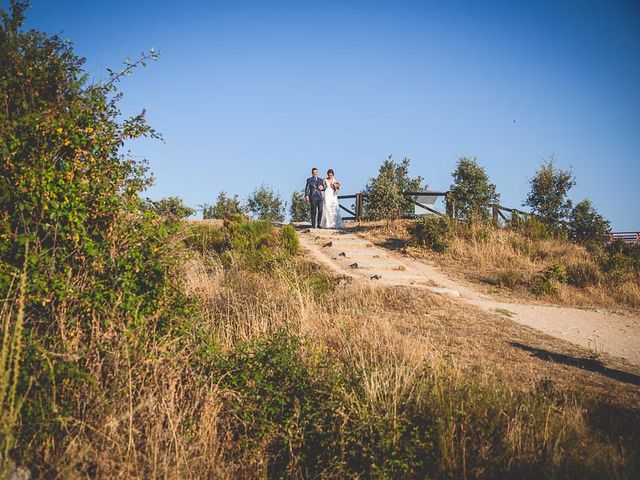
pixel 600 330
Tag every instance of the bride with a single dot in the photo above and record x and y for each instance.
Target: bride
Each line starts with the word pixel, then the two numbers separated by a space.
pixel 331 217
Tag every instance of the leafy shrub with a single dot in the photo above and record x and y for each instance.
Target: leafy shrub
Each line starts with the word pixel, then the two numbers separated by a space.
pixel 587 226
pixel 265 204
pixel 532 228
pixel 431 231
pixel 172 207
pixel 97 262
pixel 471 193
pixel 383 199
pixel 224 207
pixel 548 195
pixel 300 209
pixel 289 239
pixel 547 282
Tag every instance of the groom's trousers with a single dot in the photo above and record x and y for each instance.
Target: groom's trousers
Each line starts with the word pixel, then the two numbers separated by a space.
pixel 316 211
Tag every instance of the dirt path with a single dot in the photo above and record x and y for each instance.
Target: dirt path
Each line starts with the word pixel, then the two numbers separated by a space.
pixel 601 331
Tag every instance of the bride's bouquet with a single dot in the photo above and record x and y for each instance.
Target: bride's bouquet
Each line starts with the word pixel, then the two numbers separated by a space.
pixel 335 186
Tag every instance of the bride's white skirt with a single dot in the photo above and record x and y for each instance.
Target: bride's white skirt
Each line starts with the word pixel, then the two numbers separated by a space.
pixel 331 217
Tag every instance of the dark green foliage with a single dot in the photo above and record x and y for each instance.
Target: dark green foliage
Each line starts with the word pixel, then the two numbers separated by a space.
pixel 383 198
pixel 587 226
pixel 289 239
pixel 224 207
pixel 265 204
pixel 548 195
pixel 300 209
pixel 471 193
pixel 431 231
pixel 172 208
pixel 548 280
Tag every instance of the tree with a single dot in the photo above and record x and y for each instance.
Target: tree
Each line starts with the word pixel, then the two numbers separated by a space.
pixel 471 193
pixel 300 209
pixel 587 226
pixel 265 204
pixel 172 207
pixel 383 194
pixel 548 195
pixel 224 206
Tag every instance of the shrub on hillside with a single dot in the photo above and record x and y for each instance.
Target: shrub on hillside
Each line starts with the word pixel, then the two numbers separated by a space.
pixel 431 231
pixel 265 204
pixel 548 280
pixel 532 228
pixel 471 193
pixel 548 195
pixel 383 199
pixel 97 264
pixel 587 226
pixel 300 209
pixel 172 208
pixel 224 207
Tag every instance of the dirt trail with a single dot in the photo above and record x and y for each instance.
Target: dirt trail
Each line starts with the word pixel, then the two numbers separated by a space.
pixel 601 330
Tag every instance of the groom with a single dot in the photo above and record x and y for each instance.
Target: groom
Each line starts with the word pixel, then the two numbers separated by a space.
pixel 313 194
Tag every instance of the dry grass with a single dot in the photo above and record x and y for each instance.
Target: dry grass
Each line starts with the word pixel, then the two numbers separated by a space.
pixel 167 414
pixel 507 264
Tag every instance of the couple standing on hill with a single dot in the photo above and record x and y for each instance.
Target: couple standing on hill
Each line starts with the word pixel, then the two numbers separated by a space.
pixel 323 196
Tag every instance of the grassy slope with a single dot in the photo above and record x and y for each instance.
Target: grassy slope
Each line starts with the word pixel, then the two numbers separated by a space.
pixel 284 371
pixel 508 264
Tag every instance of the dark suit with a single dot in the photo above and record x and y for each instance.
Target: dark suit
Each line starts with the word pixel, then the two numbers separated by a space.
pixel 312 191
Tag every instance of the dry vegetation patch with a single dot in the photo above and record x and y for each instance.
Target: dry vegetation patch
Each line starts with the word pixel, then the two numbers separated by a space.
pixel 508 264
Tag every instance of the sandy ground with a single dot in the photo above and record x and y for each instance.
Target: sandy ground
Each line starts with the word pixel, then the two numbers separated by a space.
pixel 600 331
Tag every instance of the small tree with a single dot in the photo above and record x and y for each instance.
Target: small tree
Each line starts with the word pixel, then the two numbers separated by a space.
pixel 300 209
pixel 548 195
pixel 383 194
pixel 224 206
pixel 587 226
pixel 172 207
pixel 265 204
pixel 471 192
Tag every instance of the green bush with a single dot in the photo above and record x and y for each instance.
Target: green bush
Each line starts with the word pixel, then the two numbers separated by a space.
pixel 289 239
pixel 383 199
pixel 532 228
pixel 471 193
pixel 549 279
pixel 431 231
pixel 299 209
pixel 172 207
pixel 224 207
pixel 98 263
pixel 265 204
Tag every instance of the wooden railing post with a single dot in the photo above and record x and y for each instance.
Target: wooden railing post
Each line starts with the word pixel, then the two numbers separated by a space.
pixel 358 206
pixel 495 214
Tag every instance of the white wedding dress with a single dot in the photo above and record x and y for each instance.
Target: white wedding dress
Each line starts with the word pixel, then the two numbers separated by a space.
pixel 331 217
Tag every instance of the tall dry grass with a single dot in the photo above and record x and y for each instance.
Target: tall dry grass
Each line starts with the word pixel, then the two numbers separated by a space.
pixel 367 392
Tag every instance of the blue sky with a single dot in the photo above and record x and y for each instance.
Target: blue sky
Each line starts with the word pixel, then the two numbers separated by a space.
pixel 259 92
